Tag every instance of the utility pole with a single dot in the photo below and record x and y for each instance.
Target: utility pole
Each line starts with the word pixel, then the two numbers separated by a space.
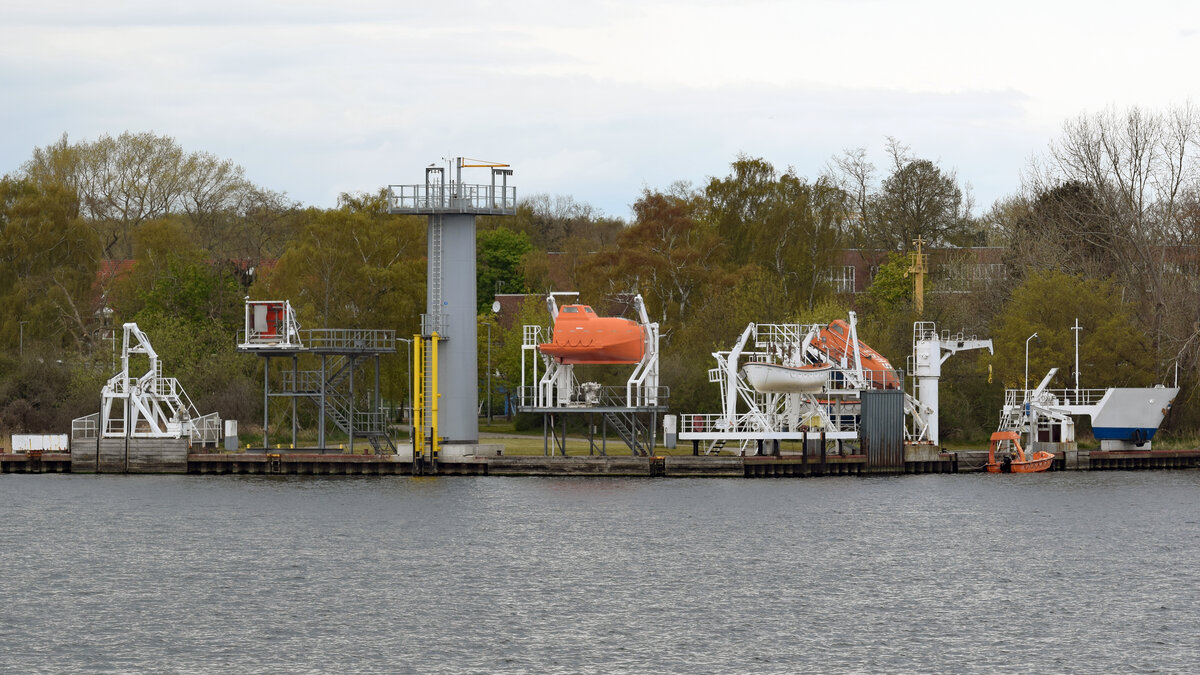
pixel 21 347
pixel 1076 328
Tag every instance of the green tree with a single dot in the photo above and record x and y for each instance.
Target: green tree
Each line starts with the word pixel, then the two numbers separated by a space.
pixel 1113 347
pixel 737 206
pixel 507 337
pixel 355 267
pixel 919 200
pixel 48 260
pixel 498 256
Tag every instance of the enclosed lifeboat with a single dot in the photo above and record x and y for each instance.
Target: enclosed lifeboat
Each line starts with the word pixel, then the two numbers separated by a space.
pixel 836 341
pixel 1005 455
pixel 581 337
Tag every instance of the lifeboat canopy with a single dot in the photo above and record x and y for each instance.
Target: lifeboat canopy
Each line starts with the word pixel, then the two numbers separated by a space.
pixel 582 337
pixel 838 344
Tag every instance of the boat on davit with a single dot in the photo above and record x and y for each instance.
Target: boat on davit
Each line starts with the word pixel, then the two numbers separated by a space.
pixel 582 337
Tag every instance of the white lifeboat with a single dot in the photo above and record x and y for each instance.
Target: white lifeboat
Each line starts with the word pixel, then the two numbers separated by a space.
pixel 774 378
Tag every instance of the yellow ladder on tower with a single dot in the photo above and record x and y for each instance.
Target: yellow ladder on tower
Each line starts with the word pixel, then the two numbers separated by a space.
pixel 425 405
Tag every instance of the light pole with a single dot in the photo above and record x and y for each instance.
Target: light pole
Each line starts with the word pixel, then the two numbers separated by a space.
pixel 489 371
pixel 21 347
pixel 1028 409
pixel 1027 365
pixel 408 351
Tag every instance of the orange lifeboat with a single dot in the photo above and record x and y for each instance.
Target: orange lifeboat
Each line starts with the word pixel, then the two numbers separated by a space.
pixel 1013 457
pixel 836 338
pixel 581 337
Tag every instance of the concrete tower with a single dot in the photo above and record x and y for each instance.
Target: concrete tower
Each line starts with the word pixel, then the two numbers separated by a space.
pixel 450 288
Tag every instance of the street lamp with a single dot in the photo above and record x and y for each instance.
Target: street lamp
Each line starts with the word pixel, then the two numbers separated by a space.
pixel 1027 364
pixel 408 351
pixel 1028 409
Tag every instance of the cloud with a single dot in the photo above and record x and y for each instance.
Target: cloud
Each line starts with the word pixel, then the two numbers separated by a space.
pixel 595 101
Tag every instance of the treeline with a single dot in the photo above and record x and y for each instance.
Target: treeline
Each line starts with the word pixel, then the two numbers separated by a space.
pixel 1103 227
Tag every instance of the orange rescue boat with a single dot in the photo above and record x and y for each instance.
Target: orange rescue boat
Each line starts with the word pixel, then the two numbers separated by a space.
pixel 1013 458
pixel 836 337
pixel 581 337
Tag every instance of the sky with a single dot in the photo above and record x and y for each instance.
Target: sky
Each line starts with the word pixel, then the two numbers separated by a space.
pixel 595 100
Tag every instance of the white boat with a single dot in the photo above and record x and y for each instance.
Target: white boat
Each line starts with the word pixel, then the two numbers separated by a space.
pixel 774 378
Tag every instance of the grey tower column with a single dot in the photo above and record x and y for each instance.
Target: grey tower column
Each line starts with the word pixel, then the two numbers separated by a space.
pixel 457 356
pixel 452 207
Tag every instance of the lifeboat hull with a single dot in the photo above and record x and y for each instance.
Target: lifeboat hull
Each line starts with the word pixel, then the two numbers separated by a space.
pixel 836 340
pixel 779 379
pixel 1019 461
pixel 582 338
pixel 1041 462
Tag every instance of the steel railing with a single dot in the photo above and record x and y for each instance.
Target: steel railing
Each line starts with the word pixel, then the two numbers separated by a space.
pixel 455 197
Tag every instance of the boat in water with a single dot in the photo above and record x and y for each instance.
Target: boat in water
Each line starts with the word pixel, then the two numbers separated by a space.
pixel 836 342
pixel 776 378
pixel 583 338
pixel 1005 455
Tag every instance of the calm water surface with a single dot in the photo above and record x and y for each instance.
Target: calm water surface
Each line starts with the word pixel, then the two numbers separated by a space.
pixel 1061 572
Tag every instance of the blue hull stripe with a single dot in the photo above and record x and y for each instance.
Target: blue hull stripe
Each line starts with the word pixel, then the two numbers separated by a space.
pixel 1124 433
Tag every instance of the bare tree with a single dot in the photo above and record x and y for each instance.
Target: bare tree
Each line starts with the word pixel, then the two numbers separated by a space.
pixel 1142 173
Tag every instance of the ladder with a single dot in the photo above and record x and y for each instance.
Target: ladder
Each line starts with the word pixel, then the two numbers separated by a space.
pixel 425 405
pixel 433 321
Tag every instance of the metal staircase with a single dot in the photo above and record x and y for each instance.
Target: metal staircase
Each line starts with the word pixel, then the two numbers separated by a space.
pixel 630 430
pixel 370 425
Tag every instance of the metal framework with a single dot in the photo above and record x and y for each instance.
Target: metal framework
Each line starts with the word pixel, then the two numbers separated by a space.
pixel 335 387
pixel 630 410
pixel 833 410
pixel 149 405
pixel 930 351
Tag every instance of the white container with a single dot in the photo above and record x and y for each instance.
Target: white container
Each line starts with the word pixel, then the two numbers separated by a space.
pixel 23 443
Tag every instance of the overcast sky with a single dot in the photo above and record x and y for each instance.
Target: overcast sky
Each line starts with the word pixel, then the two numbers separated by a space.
pixel 593 100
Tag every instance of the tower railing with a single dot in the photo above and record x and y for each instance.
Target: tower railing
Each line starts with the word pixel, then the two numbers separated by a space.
pixel 452 198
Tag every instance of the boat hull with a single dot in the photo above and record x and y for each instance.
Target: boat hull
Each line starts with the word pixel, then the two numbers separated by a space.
pixel 774 378
pixel 582 338
pixel 1014 459
pixel 1040 462
pixel 1132 414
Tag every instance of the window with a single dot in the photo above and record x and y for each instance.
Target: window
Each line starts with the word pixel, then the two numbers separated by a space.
pixel 570 310
pixel 842 278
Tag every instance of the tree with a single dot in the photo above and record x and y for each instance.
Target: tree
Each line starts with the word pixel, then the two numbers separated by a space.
pixel 355 267
pixel 171 276
pixel 667 255
pixel 1141 173
pixel 803 231
pixel 134 178
pixel 918 200
pixel 506 348
pixel 855 176
pixel 498 256
pixel 551 221
pixel 737 206
pixel 48 260
pixel 1113 347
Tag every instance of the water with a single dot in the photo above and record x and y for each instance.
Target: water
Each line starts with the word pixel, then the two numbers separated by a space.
pixel 1063 572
